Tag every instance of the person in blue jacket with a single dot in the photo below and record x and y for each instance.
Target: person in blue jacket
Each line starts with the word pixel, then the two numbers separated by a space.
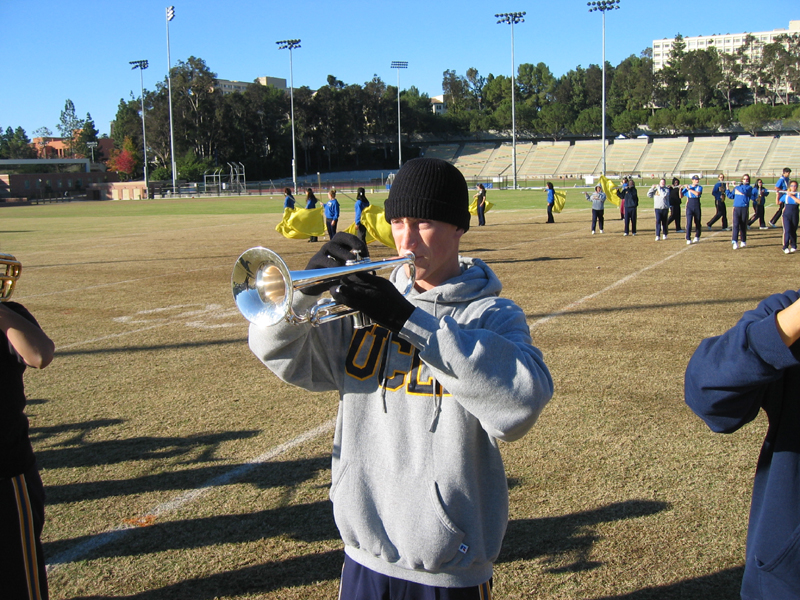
pixel 331 213
pixel 288 202
pixel 719 192
pixel 780 187
pixel 741 195
pixel 361 204
pixel 693 214
pixel 791 200
pixel 758 205
pixel 755 366
pixel 551 200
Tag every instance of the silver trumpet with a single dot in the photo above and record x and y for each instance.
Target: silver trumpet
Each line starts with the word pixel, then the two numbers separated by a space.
pixel 263 287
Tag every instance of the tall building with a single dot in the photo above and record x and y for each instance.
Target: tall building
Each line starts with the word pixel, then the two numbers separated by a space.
pixel 727 43
pixel 228 86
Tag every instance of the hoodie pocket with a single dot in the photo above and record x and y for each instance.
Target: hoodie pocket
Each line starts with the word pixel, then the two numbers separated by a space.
pixel 780 577
pixel 400 519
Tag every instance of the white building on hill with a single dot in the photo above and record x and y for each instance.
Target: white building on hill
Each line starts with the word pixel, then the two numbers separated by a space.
pixel 728 43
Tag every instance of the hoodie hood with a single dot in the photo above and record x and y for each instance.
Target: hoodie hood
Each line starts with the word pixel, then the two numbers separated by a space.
pixel 476 281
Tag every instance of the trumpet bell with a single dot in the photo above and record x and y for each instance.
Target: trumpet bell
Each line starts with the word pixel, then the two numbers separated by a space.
pixel 261 286
pixel 10 269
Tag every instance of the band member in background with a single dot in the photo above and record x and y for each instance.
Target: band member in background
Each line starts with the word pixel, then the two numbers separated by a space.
pixel 693 213
pixel 331 213
pixel 630 200
pixel 418 486
pixel 660 195
pixel 598 200
pixel 741 195
pixel 311 202
pixel 481 198
pixel 361 204
pixel 752 367
pixel 675 204
pixel 719 191
pixel 791 200
pixel 551 200
pixel 288 202
pixel 780 188
pixel 22 566
pixel 759 203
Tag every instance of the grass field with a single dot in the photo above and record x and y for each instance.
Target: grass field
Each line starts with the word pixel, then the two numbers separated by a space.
pixel 178 467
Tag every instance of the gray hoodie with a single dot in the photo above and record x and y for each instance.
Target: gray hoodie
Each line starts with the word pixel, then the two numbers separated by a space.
pixel 660 197
pixel 418 485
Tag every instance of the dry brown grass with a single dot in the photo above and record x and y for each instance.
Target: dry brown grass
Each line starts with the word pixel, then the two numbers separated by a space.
pixel 618 492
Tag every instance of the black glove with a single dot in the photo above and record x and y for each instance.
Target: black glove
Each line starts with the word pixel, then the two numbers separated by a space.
pixel 376 297
pixel 335 253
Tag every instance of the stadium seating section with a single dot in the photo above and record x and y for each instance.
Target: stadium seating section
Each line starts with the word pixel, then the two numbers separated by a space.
pixel 763 156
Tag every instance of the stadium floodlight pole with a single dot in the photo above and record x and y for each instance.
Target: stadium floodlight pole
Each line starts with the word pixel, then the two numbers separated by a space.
pixel 291 45
pixel 512 19
pixel 142 65
pixel 399 64
pixel 170 16
pixel 603 6
pixel 92 145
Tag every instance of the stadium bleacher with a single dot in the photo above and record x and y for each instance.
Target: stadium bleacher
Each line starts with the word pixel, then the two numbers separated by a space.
pixel 703 155
pixel 762 156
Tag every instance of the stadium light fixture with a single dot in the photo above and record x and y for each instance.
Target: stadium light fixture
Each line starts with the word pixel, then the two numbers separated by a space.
pixel 603 6
pixel 141 65
pixel 512 19
pixel 291 45
pixel 170 16
pixel 399 64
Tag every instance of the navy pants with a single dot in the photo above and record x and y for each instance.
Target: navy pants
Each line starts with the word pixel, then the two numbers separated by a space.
pixel 790 217
pixel 22 566
pixel 662 215
pixel 739 223
pixel 758 215
pixel 722 213
pixel 692 216
pixel 481 217
pixel 675 215
pixel 360 583
pixel 777 214
pixel 331 225
pixel 630 220
pixel 550 218
pixel 597 217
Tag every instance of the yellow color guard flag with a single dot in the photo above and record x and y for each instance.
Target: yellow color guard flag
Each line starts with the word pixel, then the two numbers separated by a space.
pixel 558 203
pixel 609 189
pixel 473 208
pixel 377 227
pixel 302 223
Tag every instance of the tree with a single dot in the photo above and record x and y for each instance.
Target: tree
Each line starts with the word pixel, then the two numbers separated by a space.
pixel 702 72
pixel 588 122
pixel 68 126
pixel 754 117
pixel 553 120
pixel 123 162
pixel 14 143
pixel 87 134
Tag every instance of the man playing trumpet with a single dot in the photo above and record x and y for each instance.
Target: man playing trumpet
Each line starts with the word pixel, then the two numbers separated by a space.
pixel 22 344
pixel 418 486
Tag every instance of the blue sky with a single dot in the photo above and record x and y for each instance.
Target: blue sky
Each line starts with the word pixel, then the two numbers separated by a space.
pixel 79 49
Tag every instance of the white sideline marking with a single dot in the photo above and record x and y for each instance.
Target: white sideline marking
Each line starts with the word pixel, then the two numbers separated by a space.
pixel 617 283
pixel 98 541
pixel 81 550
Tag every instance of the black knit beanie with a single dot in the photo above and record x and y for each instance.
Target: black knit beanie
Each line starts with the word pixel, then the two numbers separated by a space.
pixel 429 188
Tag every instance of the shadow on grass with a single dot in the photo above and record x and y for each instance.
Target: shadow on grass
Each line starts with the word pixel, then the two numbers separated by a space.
pixel 569 535
pixel 722 585
pixel 159 347
pixel 258 579
pixel 263 476
pixel 305 522
pixel 139 448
